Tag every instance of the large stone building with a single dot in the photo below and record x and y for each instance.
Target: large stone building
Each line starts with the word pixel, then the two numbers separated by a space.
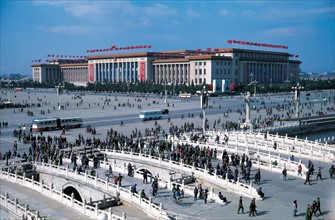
pixel 175 67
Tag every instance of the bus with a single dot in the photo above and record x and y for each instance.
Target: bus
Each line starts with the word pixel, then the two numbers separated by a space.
pixel 45 124
pixel 185 95
pixel 150 115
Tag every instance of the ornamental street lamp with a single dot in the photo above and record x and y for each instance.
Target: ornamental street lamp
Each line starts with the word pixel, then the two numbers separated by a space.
pixel 297 98
pixel 203 106
pixel 9 87
pixel 59 93
pixel 253 82
pixel 165 101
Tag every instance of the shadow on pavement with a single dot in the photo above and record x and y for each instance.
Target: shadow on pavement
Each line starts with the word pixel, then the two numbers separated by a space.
pixel 262 213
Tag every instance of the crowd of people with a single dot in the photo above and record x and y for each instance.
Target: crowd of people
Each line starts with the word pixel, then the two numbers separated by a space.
pixel 154 141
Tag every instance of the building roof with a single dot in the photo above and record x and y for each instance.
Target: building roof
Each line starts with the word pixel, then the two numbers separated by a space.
pixel 73 64
pixel 208 57
pixel 120 55
pixel 176 60
pixel 239 50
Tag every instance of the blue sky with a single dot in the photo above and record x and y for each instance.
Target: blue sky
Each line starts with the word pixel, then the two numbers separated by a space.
pixel 31 30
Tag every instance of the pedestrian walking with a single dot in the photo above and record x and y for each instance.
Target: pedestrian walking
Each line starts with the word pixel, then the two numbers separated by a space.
pixel 319 174
pixel 318 206
pixel 240 206
pixel 284 172
pixel 308 176
pixel 205 195
pixel 295 208
pixel 299 170
pixel 145 176
pixel 252 207
pixel 308 214
pixel 195 193
pixel 331 171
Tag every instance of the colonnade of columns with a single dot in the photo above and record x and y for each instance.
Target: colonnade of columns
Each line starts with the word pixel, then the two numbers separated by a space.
pixel 266 72
pixel 116 72
pixel 172 73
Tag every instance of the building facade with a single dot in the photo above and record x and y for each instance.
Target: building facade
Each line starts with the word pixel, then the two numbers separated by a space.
pixel 176 67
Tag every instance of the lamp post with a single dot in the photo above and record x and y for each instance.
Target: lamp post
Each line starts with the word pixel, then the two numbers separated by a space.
pixel 165 92
pixel 253 82
pixel 297 89
pixel 59 93
pixel 203 106
pixel 9 86
pixel 247 110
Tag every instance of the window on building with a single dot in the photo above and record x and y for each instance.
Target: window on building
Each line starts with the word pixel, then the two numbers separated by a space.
pixel 200 71
pixel 200 63
pixel 196 63
pixel 204 80
pixel 196 71
pixel 200 81
pixel 196 81
pixel 204 71
pixel 204 63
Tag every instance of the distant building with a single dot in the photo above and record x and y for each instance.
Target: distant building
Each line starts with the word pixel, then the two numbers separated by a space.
pixel 175 67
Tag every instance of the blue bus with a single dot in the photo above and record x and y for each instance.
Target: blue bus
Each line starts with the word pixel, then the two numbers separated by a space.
pixel 150 115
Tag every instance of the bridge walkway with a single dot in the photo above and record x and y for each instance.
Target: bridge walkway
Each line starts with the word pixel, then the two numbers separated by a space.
pixel 47 207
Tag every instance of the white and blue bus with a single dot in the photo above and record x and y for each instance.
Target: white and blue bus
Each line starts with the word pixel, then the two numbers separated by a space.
pixel 45 124
pixel 150 115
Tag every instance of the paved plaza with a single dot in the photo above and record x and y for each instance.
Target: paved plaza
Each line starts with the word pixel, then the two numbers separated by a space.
pixel 104 111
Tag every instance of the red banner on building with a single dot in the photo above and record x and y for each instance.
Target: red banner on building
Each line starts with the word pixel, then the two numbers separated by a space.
pixel 142 71
pixel 91 73
pixel 232 86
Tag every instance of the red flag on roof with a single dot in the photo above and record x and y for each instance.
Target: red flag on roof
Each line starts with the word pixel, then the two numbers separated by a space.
pixel 145 46
pixel 140 47
pixel 136 47
pixel 297 55
pixel 149 46
pixel 216 50
pixel 209 49
pixel 230 41
pixel 49 55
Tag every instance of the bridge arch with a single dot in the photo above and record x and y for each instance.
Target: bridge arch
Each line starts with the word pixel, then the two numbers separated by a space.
pixel 68 189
